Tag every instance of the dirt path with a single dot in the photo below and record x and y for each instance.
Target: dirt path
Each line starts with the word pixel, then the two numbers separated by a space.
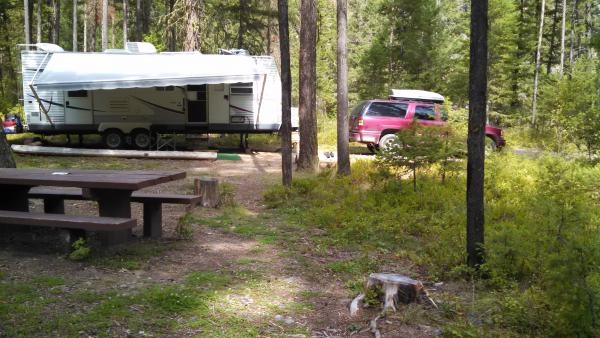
pixel 287 291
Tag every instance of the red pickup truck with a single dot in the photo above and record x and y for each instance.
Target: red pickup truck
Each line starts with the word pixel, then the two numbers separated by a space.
pixel 376 122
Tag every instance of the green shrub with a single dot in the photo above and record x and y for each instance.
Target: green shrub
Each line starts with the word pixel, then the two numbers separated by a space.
pixel 80 250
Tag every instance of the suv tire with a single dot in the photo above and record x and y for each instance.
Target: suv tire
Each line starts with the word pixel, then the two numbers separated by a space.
pixel 386 140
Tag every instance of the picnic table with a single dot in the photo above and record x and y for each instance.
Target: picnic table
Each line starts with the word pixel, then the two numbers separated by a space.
pixel 112 189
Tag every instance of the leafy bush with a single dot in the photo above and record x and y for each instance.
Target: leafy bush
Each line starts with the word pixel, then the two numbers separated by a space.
pixel 80 250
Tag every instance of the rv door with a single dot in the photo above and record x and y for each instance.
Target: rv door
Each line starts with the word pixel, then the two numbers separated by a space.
pixel 241 103
pixel 78 107
pixel 197 103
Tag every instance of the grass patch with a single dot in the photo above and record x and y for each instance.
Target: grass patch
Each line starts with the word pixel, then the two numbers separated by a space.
pixel 132 257
pixel 359 266
pixel 213 302
pixel 245 261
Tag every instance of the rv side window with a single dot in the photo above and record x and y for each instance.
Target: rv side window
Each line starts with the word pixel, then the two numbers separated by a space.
pixel 241 90
pixel 196 88
pixel 77 93
pixel 165 89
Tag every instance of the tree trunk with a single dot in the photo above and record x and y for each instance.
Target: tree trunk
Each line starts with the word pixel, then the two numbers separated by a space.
pixel 112 31
pixel 39 21
pixel 74 25
pixel 562 38
pixel 572 37
pixel 170 26
pixel 241 28
pixel 50 21
pixel 552 39
pixel 85 27
pixel 308 158
pixel 104 25
pixel 192 26
pixel 138 20
pixel 6 158
pixel 269 28
pixel 56 25
pixel 478 67
pixel 538 54
pixel 342 90
pixel 26 22
pixel 125 12
pixel 589 27
pixel 577 32
pixel 286 94
pixel 92 25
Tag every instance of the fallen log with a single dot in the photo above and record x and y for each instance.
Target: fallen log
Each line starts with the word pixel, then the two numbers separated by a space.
pixel 61 151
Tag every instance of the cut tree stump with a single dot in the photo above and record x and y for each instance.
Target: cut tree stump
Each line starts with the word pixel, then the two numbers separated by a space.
pixel 393 290
pixel 208 190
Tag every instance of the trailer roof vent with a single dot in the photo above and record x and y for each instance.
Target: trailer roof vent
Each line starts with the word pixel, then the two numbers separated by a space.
pixel 141 47
pixel 223 51
pixel 49 47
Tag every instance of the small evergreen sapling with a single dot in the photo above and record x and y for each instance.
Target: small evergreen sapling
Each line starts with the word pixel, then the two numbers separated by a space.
pixel 419 147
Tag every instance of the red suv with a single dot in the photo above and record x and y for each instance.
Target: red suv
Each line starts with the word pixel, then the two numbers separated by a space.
pixel 376 122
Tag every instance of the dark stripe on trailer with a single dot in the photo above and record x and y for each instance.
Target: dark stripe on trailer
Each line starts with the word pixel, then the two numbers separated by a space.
pixel 161 107
pixel 69 106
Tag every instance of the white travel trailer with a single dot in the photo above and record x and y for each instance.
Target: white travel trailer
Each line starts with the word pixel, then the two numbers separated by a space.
pixel 133 93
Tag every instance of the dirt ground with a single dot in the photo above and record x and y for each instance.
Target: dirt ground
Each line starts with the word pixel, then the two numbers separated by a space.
pixel 213 250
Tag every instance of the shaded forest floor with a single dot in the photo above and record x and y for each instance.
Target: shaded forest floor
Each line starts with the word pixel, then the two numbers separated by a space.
pixel 245 272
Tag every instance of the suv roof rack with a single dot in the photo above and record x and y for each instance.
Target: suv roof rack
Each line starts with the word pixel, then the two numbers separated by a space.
pixel 416 95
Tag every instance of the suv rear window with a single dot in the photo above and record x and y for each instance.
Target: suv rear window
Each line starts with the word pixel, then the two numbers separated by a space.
pixel 358 109
pixel 387 109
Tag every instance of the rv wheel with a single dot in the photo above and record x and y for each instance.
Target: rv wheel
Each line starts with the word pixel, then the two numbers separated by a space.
pixel 141 139
pixel 113 139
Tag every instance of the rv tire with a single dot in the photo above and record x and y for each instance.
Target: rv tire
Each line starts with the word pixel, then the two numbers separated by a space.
pixel 141 138
pixel 113 139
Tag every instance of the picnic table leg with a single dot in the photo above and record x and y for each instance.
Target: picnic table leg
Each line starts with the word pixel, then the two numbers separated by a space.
pixel 113 203
pixel 153 219
pixel 14 198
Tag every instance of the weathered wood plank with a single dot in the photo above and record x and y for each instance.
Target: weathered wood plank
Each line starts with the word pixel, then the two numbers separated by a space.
pixel 66 221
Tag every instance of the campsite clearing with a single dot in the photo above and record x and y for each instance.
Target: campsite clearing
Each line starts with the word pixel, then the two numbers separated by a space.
pixel 246 272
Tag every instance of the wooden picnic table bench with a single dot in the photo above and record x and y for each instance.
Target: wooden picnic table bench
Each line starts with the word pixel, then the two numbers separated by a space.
pixel 66 221
pixel 112 189
pixel 152 203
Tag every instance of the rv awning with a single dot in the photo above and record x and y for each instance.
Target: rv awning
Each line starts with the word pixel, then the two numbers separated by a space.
pixel 90 71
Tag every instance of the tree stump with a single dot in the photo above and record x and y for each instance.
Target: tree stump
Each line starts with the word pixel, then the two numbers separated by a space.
pixel 392 290
pixel 208 190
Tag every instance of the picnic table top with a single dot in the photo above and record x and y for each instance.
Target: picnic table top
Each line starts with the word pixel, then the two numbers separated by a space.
pixel 98 179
